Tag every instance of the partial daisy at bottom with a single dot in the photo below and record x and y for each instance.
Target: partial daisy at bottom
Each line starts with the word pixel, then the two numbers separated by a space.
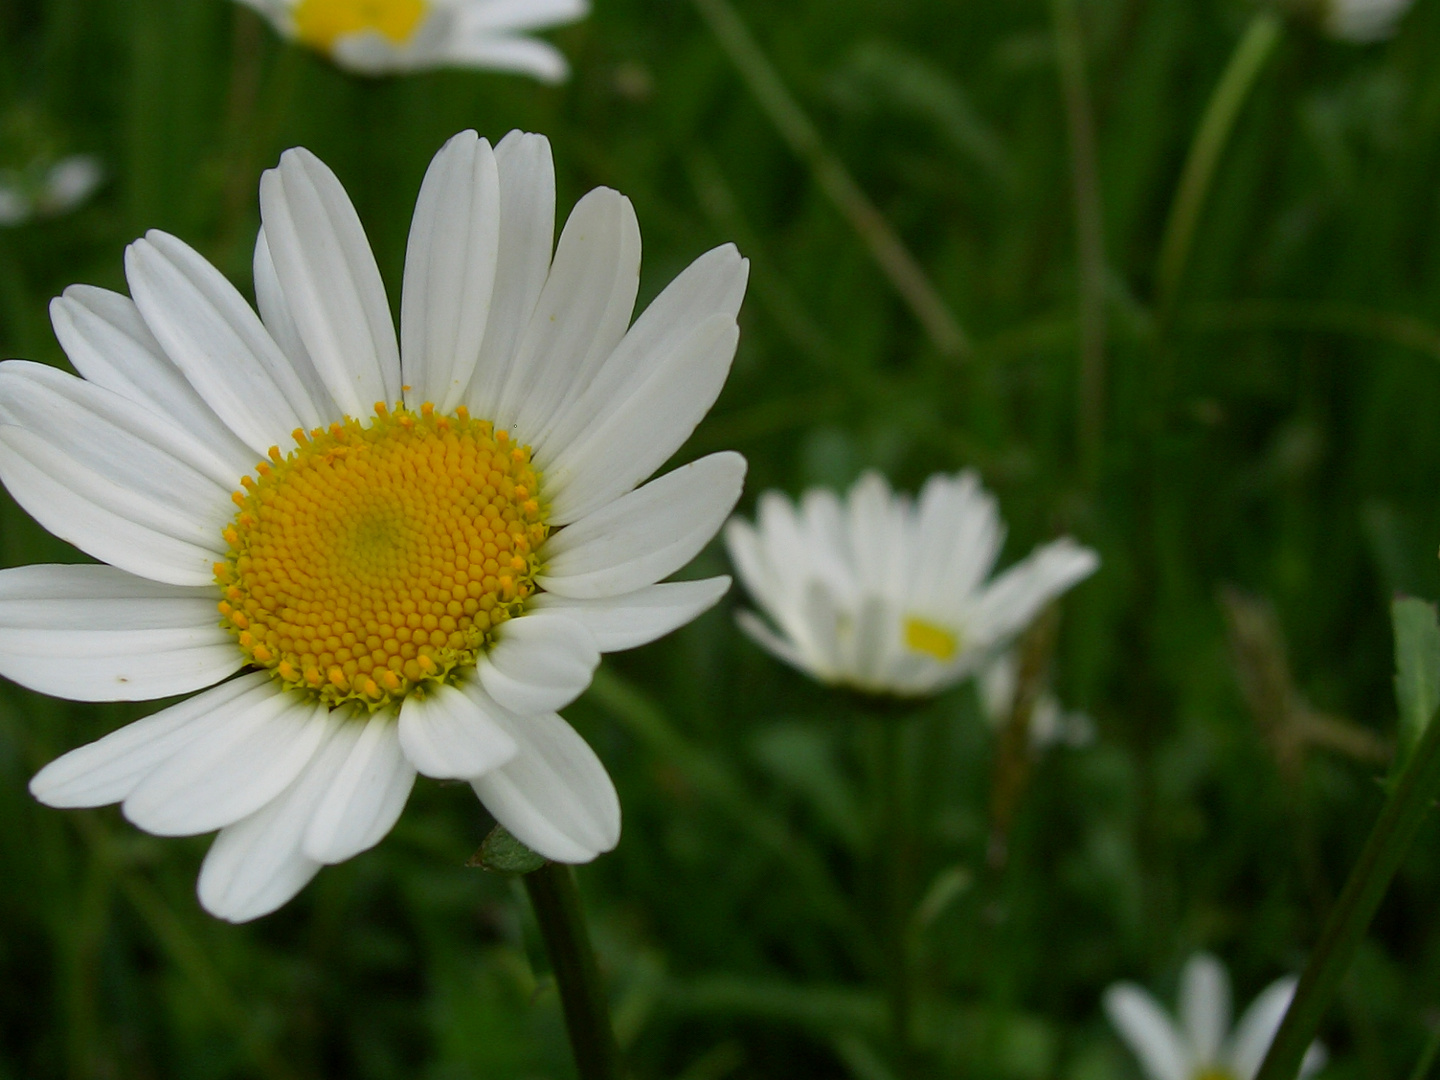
pixel 380 37
pixel 888 595
pixel 1199 1044
pixel 382 555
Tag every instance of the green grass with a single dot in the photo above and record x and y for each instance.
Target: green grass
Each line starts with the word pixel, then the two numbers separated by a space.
pixel 1282 438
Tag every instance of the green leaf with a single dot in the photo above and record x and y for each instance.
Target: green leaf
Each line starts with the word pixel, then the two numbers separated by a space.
pixel 501 853
pixel 1417 669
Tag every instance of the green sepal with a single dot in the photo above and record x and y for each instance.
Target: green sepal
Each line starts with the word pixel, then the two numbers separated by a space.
pixel 501 853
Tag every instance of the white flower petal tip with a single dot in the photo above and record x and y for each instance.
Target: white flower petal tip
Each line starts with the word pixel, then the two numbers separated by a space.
pixel 646 535
pixel 556 796
pixel 887 594
pixel 1363 21
pixel 1201 1044
pixel 638 618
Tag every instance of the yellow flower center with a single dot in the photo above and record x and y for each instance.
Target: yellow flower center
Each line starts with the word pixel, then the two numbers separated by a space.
pixel 377 557
pixel 321 22
pixel 932 640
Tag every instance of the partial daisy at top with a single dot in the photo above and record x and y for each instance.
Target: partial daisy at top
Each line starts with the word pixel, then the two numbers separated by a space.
pixel 1362 21
pixel 378 37
pixel 887 595
pixel 381 554
pixel 1199 1044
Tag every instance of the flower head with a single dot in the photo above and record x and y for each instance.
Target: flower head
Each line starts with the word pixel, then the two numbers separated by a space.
pixel 1362 21
pixel 47 188
pixel 1202 1046
pixel 376 37
pixel 415 549
pixel 888 596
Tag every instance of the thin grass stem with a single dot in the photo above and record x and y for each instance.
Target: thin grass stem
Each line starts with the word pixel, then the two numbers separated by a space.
pixel 795 127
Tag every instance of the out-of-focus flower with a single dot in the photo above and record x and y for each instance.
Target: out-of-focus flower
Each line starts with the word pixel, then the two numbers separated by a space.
pixel 1363 20
pixel 47 189
pixel 1050 723
pixel 442 535
pixel 377 37
pixel 1201 1045
pixel 890 596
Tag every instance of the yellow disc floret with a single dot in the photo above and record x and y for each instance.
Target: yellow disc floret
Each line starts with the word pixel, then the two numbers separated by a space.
pixel 322 22
pixel 378 557
pixel 931 639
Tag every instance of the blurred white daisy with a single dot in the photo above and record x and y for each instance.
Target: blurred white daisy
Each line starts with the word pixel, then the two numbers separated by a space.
pixel 442 534
pixel 1363 21
pixel 47 189
pixel 1201 1045
pixel 889 596
pixel 377 37
pixel 1051 724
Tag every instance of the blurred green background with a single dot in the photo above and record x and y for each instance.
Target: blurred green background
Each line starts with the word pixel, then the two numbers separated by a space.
pixel 1262 476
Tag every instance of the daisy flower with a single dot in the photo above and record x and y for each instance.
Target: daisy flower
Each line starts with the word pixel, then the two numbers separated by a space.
pixel 1363 21
pixel 1051 724
pixel 1202 1046
pixel 378 37
pixel 413 550
pixel 47 188
pixel 889 596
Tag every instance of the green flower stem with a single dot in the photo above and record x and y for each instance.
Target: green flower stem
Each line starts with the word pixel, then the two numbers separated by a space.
pixel 1414 790
pixel 893 893
pixel 556 901
pixel 1246 63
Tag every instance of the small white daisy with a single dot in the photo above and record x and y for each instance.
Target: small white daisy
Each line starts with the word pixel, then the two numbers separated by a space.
pixel 1050 723
pixel 1202 1046
pixel 889 596
pixel 377 37
pixel 441 537
pixel 47 189
pixel 1363 21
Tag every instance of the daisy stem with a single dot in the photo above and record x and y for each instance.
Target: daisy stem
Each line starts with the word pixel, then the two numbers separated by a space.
pixel 558 911
pixel 1246 63
pixel 894 873
pixel 1411 796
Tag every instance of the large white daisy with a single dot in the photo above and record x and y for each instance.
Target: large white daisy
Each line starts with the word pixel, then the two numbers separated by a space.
pixel 376 37
pixel 441 536
pixel 1201 1045
pixel 888 596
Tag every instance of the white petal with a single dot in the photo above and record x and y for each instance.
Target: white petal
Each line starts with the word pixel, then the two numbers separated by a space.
pixel 1257 1028
pixel 98 516
pixel 958 537
pixel 645 535
pixel 635 438
pixel 1205 1005
pixel 108 342
pixel 330 281
pixel 133 447
pixel 450 272
pixel 275 313
pixel 556 796
pixel 638 618
pixel 449 733
pixel 528 56
pixel 366 796
pixel 542 662
pixel 527 233
pixel 781 648
pixel 1011 600
pixel 256 865
pixel 1148 1032
pixel 580 317
pixel 107 770
pixel 95 633
pixel 496 15
pixel 246 755
pixel 218 342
